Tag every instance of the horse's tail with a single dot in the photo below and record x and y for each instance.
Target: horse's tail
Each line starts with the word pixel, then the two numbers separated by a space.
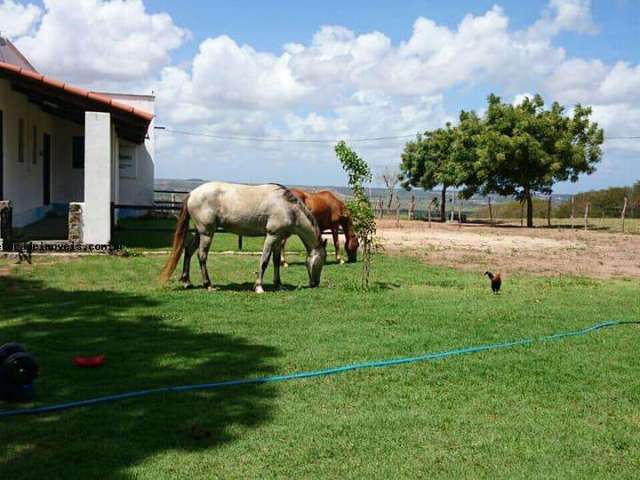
pixel 182 227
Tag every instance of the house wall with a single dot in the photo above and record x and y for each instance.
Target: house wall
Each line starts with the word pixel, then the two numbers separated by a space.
pixel 23 181
pixel 135 185
pixel 67 183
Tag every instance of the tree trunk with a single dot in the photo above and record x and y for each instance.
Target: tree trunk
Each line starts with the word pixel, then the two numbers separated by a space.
pixel 527 194
pixel 490 211
pixel 443 204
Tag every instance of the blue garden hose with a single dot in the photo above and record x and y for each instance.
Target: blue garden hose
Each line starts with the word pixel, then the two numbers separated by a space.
pixel 310 374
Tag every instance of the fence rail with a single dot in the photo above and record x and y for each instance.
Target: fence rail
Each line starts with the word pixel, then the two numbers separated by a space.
pixel 595 217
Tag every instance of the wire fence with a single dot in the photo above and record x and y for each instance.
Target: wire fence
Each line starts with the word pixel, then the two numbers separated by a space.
pixel 580 213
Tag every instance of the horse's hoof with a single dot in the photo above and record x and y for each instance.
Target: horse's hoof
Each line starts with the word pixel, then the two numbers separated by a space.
pixel 285 265
pixel 187 285
pixel 211 288
pixel 259 289
pixel 341 261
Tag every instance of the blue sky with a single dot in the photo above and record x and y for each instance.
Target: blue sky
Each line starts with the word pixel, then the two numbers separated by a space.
pixel 269 25
pixel 296 70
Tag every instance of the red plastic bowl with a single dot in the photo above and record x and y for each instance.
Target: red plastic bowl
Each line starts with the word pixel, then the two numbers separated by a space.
pixel 89 362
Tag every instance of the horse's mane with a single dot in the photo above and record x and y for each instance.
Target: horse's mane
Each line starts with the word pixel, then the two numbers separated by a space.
pixel 290 197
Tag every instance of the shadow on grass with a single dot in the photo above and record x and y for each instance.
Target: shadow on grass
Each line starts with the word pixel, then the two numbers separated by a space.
pixel 143 351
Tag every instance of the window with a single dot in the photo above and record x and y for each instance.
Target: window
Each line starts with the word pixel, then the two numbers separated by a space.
pixel 127 161
pixel 21 140
pixel 34 151
pixel 77 158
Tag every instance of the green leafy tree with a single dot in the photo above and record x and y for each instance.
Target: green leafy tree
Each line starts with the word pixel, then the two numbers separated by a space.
pixel 525 149
pixel 362 213
pixel 428 161
pixel 469 171
pixel 447 157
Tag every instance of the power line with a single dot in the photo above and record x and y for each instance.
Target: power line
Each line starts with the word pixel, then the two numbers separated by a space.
pixel 251 138
pixel 279 140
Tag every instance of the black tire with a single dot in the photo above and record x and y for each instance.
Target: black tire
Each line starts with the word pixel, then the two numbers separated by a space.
pixel 20 369
pixel 9 349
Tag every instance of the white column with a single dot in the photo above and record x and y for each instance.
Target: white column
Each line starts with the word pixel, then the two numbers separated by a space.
pixel 97 178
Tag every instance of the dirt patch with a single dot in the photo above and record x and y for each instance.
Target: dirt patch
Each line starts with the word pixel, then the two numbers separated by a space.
pixel 539 251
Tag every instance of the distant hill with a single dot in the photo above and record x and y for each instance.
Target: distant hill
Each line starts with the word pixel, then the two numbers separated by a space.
pixel 604 203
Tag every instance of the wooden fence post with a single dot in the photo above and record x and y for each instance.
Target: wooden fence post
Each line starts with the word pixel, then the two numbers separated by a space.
pixel 429 208
pixel 573 211
pixel 549 212
pixel 522 213
pixel 490 211
pixel 460 205
pixel 624 211
pixel 412 207
pixel 453 208
pixel 586 216
pixel 397 211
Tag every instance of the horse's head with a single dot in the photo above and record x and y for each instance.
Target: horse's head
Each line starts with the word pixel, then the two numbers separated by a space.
pixel 351 247
pixel 315 262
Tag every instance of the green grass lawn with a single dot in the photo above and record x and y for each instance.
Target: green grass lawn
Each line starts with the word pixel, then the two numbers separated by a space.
pixel 565 409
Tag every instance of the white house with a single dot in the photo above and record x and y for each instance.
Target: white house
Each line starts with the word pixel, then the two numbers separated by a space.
pixel 61 145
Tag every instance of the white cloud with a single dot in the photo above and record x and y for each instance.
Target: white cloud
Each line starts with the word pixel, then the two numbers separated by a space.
pixel 568 15
pixel 326 73
pixel 226 74
pixel 520 97
pixel 573 15
pixel 348 85
pixel 612 90
pixel 17 19
pixel 94 42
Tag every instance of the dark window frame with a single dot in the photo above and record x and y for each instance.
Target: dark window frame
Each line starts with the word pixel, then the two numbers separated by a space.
pixel 77 152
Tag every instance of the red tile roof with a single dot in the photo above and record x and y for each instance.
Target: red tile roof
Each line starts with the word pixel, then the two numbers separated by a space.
pixel 131 123
pixel 76 91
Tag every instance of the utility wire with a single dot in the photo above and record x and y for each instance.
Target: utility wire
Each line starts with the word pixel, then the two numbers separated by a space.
pixel 311 140
pixel 279 140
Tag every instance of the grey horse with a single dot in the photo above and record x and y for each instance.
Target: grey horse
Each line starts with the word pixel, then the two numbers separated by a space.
pixel 269 210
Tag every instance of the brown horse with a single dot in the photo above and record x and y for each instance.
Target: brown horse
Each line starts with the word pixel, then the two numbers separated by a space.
pixel 331 213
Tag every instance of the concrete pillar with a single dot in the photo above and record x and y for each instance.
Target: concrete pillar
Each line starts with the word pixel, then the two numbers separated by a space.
pixel 6 222
pixel 75 222
pixel 97 178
